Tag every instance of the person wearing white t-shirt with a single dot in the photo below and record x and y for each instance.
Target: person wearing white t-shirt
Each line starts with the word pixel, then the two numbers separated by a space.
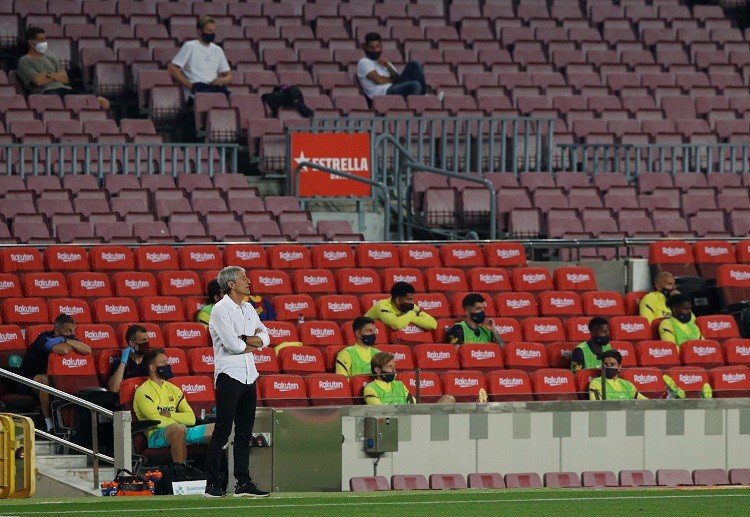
pixel 200 65
pixel 378 76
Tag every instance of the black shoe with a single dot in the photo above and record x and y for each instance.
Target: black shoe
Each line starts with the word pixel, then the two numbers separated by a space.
pixel 214 491
pixel 249 489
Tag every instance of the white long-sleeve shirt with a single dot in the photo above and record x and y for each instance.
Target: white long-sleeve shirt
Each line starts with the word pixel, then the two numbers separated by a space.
pixel 229 321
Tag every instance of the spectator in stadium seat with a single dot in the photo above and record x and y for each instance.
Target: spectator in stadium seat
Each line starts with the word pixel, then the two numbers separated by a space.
pixel 475 327
pixel 200 65
pixel 159 399
pixel 355 359
pixel 41 74
pixel 588 354
pixel 680 327
pixel 262 306
pixel 399 310
pixel 654 304
pixel 131 359
pixel 60 340
pixel 378 76
pixel 616 388
pixel 385 389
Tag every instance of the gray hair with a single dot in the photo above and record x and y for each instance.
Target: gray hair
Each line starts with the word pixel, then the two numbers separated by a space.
pixel 228 274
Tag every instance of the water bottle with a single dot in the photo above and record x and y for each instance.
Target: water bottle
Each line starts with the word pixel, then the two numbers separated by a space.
pixel 301 319
pixel 105 488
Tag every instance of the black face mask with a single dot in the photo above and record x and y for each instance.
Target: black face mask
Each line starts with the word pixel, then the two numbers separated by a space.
pixel 601 340
pixel 406 307
pixel 388 376
pixel 369 339
pixel 611 372
pixel 667 292
pixel 478 317
pixel 373 55
pixel 165 372
pixel 685 318
pixel 208 38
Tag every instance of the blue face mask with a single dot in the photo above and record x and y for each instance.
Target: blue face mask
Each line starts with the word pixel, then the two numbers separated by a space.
pixel 208 38
pixel 373 55
pixel 165 372
pixel 388 376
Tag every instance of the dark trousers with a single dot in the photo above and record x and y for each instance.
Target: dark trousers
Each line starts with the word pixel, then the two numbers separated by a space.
pixel 410 81
pixel 235 403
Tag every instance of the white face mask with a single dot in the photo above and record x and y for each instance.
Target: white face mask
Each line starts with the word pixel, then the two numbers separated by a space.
pixel 41 47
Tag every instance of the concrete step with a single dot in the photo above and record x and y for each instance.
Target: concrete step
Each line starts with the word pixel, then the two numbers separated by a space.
pixel 63 461
pixel 87 474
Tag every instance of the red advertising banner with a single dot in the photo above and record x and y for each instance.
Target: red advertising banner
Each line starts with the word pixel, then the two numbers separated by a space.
pixel 345 152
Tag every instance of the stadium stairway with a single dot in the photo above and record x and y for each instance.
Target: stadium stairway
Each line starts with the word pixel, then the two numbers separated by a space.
pixel 66 475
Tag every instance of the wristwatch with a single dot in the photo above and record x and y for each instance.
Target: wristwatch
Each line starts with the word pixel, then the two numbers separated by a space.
pixel 243 337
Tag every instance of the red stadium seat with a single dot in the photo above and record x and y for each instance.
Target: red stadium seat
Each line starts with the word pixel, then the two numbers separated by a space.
pixel 543 330
pixel 104 361
pixel 380 332
pixel 659 354
pixel 434 304
pixel 265 360
pixel 179 283
pixel 737 351
pixel 574 278
pixel 161 308
pixel 559 353
pixel 410 275
pixel 127 390
pixel 461 255
pixel 599 479
pixel 504 254
pixel 248 256
pixel 632 300
pixel 627 351
pixel 709 255
pixel 634 478
pixel 480 356
pixel 111 258
pixel 289 256
pixel 313 281
pixel 269 281
pixel 368 484
pixel 730 381
pixel 333 256
pixel 577 329
pixel 603 303
pixel 524 355
pixel 150 258
pixel 177 359
pixel 445 279
pixel 673 256
pixel 199 392
pixel 199 257
pixel 689 378
pixel 10 286
pixel 447 481
pixel 523 480
pixel 24 311
pixel 201 361
pixel 358 280
pixel 583 378
pixel 553 384
pixel 301 360
pixel 706 353
pixel 20 259
pixel 410 334
pixel 377 255
pixel 72 372
pixel 328 389
pixel 509 386
pixel 294 306
pixel 402 355
pixel 12 347
pixel 134 284
pixel 47 284
pixel 436 356
pixel 718 326
pixel 509 329
pixel 430 389
pixel 489 279
pixel 320 333
pixel 186 335
pixel 733 282
pixel 464 385
pixel 357 384
pixel 282 391
pixel 66 258
pixel 486 480
pixel 629 328
pixel 155 336
pixel 76 308
pixel 409 482
pixel 419 256
pixel 338 307
pixel 562 479
pixel 647 381
pixel 516 305
pixel 33 331
pixel 114 310
pixel 532 279
pixel 559 303
pixel 88 285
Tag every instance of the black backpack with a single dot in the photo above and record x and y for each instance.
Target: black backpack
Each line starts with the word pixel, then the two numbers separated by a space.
pixel 176 472
pixel 286 96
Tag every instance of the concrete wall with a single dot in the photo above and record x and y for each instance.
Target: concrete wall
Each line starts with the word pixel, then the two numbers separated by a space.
pixel 555 436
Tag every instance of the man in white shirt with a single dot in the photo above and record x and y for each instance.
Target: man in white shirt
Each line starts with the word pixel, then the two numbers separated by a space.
pixel 236 331
pixel 378 76
pixel 200 65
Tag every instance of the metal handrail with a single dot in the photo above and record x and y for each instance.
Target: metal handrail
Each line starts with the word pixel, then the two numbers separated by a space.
pixel 94 408
pixel 379 184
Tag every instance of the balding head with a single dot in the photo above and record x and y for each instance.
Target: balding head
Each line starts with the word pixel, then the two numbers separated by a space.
pixel 664 281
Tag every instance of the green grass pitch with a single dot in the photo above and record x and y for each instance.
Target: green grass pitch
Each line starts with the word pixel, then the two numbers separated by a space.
pixel 553 502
